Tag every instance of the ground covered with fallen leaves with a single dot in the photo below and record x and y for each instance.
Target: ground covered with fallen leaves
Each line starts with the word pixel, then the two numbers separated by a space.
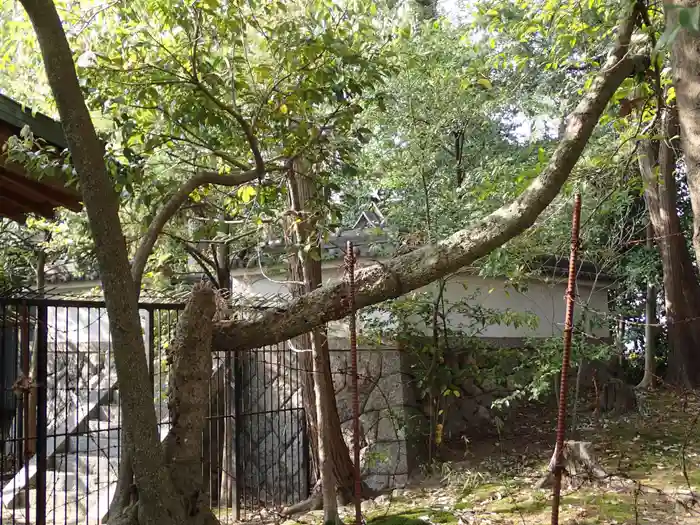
pixel 652 459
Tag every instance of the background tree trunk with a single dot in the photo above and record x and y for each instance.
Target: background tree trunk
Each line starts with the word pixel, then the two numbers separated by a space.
pixel 650 321
pixel 311 274
pixel 685 63
pixel 682 291
pixel 225 451
pixel 308 256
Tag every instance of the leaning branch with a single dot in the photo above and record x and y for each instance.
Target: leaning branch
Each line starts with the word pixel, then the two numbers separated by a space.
pixel 171 208
pixel 421 267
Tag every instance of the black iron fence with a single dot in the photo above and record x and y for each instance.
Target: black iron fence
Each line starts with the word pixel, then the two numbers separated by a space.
pixel 60 421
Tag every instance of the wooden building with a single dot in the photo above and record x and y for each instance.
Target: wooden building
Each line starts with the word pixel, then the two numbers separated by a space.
pixel 23 193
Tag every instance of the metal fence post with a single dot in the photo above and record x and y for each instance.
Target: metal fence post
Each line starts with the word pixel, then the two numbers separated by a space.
pixel 151 349
pixel 568 332
pixel 41 422
pixel 352 326
pixel 237 410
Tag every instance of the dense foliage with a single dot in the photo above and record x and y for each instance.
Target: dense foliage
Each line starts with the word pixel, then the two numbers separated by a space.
pixel 438 121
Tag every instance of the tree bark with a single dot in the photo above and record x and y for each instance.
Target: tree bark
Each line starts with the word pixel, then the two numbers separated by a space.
pixel 422 266
pixel 159 504
pixel 188 401
pixel 190 360
pixel 685 64
pixel 681 288
pixel 649 379
pixel 303 192
pixel 301 196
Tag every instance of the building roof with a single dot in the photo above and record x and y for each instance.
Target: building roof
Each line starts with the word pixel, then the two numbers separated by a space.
pixel 370 240
pixel 21 193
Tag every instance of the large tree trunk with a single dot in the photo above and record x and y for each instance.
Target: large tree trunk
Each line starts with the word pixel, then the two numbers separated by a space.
pixel 650 321
pixel 682 291
pixel 685 62
pixel 160 505
pixel 190 360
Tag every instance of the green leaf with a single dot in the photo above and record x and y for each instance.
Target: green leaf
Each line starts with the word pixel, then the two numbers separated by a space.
pixel 246 193
pixel 485 83
pixel 689 18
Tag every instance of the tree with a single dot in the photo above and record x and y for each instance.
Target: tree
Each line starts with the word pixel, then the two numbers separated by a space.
pixel 101 203
pixel 306 269
pixel 685 61
pixel 427 264
pixel 650 321
pixel 160 486
pixel 681 287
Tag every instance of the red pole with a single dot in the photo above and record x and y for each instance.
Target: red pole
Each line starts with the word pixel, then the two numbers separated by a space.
pixel 350 265
pixel 566 359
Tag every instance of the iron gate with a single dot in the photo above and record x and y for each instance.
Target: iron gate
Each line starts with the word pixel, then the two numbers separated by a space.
pixel 60 433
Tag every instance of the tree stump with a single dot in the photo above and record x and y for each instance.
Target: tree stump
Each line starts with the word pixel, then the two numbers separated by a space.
pixel 617 397
pixel 578 462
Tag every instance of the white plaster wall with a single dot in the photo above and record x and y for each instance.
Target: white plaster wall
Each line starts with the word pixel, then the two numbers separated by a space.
pixel 544 300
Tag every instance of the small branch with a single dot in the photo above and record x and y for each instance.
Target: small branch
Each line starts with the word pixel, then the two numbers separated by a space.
pixel 202 260
pixel 191 249
pixel 242 122
pixel 195 41
pixel 171 208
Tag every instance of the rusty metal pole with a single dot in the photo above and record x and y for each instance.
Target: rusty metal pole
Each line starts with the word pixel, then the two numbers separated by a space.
pixel 566 359
pixel 350 267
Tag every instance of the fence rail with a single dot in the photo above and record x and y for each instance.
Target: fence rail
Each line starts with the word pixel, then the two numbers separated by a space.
pixel 60 416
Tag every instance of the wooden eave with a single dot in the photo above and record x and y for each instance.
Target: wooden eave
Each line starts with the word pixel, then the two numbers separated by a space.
pixel 22 193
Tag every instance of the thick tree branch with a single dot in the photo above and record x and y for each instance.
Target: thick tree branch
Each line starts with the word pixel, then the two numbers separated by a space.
pixel 171 208
pixel 425 265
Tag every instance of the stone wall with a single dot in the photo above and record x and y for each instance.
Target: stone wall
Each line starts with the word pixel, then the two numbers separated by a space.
pixel 384 401
pixel 273 443
pixel 273 428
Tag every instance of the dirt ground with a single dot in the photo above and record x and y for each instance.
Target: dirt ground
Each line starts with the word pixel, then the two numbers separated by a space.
pixel 652 458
